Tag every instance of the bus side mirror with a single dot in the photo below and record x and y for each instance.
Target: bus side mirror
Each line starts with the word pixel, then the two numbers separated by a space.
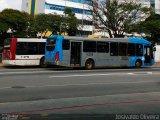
pixel 154 48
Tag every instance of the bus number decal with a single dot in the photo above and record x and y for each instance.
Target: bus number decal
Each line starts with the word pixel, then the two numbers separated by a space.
pixel 24 56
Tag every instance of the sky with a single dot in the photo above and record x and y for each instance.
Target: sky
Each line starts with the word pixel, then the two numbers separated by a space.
pixel 14 4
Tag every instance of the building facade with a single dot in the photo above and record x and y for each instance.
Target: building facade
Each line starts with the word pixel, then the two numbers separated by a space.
pixel 33 6
pixel 155 4
pixel 81 8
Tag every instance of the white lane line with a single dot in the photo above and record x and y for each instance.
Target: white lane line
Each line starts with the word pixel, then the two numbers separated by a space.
pixel 92 75
pixel 82 84
pixel 33 72
pixel 141 73
pixel 79 75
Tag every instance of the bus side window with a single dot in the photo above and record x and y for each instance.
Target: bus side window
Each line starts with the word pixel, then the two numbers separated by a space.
pixel 21 48
pixel 122 49
pixel 103 47
pixel 89 46
pixel 139 50
pixel 66 45
pixel 131 49
pixel 114 49
pixel 32 48
pixel 42 48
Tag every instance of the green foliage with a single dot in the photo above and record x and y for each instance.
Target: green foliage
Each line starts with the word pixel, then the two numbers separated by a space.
pixel 150 26
pixel 49 22
pixel 71 21
pixel 72 26
pixel 68 11
pixel 118 17
pixel 22 24
pixel 14 20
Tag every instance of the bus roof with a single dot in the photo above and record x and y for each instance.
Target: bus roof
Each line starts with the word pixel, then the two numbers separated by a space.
pixel 139 40
pixel 96 39
pixel 130 40
pixel 30 40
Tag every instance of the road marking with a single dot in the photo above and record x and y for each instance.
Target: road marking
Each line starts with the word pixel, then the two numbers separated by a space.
pixel 92 75
pixel 141 73
pixel 78 75
pixel 50 70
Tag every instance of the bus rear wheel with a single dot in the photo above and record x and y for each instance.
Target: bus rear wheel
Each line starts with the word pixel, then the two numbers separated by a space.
pixel 138 64
pixel 89 64
pixel 42 63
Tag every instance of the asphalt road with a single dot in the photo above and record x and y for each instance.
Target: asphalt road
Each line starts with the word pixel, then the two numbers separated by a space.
pixel 98 91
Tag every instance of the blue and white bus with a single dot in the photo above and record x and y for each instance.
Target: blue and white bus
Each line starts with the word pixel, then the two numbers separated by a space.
pixel 98 52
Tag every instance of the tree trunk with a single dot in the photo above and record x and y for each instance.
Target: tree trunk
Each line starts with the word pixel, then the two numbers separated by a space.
pixel 110 33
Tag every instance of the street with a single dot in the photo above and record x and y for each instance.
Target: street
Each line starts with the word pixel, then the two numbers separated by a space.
pixel 98 91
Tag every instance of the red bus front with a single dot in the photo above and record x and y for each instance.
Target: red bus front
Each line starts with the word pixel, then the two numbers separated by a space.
pixel 9 50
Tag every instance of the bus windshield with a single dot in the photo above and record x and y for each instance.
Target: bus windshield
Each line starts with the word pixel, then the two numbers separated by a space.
pixel 50 44
pixel 7 43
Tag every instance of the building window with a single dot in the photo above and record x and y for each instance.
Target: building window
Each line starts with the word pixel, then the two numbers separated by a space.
pixel 62 8
pixel 88 2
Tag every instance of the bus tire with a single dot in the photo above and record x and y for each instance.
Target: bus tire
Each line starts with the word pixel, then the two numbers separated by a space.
pixel 42 63
pixel 138 64
pixel 89 64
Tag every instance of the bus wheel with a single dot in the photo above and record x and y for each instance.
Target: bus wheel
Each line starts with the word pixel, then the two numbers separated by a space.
pixel 138 64
pixel 42 63
pixel 89 64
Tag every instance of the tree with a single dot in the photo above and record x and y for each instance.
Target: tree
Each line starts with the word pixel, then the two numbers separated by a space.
pixel 70 21
pixel 49 22
pixel 117 17
pixel 150 26
pixel 15 21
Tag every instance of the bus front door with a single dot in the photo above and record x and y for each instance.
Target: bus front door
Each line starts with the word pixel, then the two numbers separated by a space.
pixel 75 54
pixel 147 54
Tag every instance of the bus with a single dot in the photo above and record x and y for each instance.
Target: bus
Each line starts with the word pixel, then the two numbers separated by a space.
pixel 23 52
pixel 98 52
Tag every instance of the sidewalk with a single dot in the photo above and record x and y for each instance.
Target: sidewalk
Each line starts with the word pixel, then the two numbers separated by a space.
pixel 156 64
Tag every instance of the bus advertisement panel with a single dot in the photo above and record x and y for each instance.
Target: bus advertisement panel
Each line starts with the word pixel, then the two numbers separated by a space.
pixel 23 51
pixel 98 52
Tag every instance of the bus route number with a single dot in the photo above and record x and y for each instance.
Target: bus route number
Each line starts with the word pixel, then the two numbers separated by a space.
pixel 24 56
